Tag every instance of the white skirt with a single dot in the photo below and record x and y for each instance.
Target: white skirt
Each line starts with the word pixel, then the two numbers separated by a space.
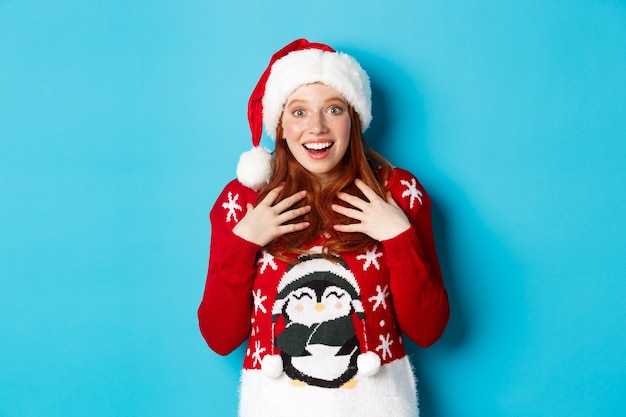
pixel 389 393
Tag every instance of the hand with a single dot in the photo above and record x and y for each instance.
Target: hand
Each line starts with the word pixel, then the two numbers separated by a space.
pixel 380 219
pixel 265 222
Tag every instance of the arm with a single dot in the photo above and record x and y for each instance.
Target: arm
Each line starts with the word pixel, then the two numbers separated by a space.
pixel 402 223
pixel 225 311
pixel 419 297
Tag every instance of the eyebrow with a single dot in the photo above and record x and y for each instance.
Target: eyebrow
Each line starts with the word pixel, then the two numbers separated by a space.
pixel 338 98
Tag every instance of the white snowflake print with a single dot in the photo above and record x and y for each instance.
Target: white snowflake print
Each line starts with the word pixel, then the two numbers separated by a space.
pixel 412 192
pixel 258 351
pixel 266 260
pixel 232 207
pixel 370 258
pixel 385 343
pixel 258 301
pixel 253 331
pixel 380 298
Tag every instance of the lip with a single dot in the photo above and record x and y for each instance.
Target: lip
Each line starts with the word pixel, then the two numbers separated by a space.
pixel 318 149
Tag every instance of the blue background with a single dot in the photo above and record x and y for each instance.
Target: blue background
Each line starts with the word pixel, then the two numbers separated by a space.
pixel 120 122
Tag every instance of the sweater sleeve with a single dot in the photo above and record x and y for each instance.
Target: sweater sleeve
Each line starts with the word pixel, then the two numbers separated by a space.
pixel 419 297
pixel 225 310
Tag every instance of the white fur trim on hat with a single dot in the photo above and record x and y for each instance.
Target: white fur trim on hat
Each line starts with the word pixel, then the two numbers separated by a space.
pixel 334 69
pixel 254 169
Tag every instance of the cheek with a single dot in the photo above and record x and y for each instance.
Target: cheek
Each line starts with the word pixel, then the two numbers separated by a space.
pixel 342 130
pixel 292 135
pixel 338 305
pixel 345 128
pixel 298 308
pixel 292 129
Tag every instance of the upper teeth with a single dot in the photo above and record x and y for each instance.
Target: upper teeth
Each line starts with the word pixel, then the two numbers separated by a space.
pixel 317 146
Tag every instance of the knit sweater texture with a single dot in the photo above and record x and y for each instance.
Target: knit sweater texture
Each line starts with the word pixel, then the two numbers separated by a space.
pixel 325 335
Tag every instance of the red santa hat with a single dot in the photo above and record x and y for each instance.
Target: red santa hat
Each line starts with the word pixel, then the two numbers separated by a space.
pixel 299 63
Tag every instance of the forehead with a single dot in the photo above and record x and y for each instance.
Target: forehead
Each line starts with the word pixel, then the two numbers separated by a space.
pixel 314 92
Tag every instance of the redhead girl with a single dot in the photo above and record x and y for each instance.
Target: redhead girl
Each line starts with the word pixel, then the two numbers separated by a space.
pixel 322 254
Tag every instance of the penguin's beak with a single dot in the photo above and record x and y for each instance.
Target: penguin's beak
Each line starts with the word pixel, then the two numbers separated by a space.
pixel 319 307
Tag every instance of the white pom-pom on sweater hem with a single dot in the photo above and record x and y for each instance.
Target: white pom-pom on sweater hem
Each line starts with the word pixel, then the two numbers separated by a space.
pixel 272 365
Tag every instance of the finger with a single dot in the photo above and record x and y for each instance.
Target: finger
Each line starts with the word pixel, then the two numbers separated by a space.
pixel 348 212
pixel 391 200
pixel 287 202
pixel 293 214
pixel 272 195
pixel 348 228
pixel 293 227
pixel 352 200
pixel 366 190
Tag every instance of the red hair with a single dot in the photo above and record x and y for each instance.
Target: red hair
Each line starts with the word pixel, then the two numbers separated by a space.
pixel 359 161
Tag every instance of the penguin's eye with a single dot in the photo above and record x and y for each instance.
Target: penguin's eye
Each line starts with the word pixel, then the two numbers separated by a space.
pixel 303 294
pixel 336 294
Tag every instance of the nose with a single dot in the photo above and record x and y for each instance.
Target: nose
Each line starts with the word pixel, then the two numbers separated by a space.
pixel 319 307
pixel 317 123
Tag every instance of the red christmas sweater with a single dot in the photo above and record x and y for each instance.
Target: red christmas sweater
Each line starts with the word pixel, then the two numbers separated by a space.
pixel 321 323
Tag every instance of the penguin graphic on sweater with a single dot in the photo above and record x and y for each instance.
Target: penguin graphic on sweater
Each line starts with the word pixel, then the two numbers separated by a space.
pixel 318 299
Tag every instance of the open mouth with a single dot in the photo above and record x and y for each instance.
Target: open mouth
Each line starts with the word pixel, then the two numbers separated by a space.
pixel 318 147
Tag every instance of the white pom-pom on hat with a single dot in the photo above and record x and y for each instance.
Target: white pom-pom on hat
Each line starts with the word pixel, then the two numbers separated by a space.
pixel 272 365
pixel 254 169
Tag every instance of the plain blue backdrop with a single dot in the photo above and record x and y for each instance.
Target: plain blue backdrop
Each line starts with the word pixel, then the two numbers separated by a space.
pixel 120 122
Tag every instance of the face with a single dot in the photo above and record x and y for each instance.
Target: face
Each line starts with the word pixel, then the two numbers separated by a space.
pixel 316 125
pixel 307 306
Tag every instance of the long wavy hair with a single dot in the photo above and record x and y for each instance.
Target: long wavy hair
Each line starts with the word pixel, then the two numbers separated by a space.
pixel 359 161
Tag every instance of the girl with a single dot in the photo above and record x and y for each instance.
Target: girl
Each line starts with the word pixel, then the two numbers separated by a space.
pixel 322 254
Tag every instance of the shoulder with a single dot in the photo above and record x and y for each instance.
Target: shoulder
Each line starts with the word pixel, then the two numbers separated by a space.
pixel 235 187
pixel 232 201
pixel 407 190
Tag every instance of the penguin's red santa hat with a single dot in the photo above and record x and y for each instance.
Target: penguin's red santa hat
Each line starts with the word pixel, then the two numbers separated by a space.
pixel 299 63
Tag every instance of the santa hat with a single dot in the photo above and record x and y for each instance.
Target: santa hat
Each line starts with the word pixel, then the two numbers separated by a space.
pixel 299 63
pixel 368 362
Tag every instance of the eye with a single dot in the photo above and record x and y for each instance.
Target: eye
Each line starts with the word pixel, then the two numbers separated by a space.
pixel 298 113
pixel 334 293
pixel 299 295
pixel 335 110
